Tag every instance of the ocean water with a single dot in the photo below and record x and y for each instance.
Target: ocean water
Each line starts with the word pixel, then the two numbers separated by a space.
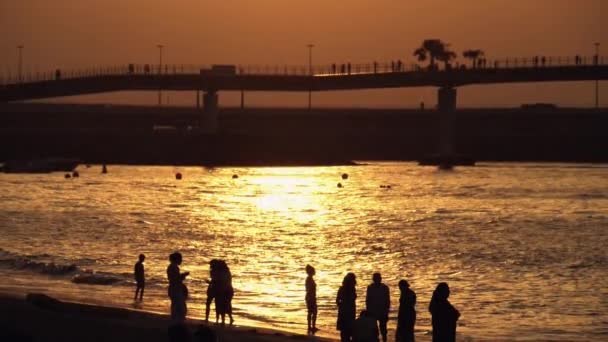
pixel 523 246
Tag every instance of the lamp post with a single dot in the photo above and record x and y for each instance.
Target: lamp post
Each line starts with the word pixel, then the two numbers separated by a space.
pixel 20 66
pixel 160 71
pixel 597 82
pixel 310 46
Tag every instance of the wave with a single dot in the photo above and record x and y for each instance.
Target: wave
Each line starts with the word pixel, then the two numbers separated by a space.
pixel 50 268
pixel 32 263
pixel 96 279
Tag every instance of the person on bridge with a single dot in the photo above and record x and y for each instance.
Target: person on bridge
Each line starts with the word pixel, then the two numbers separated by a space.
pixel 378 303
pixel 349 68
pixel 375 67
pixel 543 61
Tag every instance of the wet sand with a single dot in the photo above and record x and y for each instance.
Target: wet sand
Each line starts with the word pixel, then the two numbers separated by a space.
pixel 42 318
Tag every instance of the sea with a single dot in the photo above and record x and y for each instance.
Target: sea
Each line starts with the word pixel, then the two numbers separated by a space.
pixel 523 246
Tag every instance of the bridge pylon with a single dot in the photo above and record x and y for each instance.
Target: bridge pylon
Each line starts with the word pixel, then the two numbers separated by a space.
pixel 211 111
pixel 446 105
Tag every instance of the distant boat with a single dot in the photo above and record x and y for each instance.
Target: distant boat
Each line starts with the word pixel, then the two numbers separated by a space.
pixel 45 165
pixel 447 162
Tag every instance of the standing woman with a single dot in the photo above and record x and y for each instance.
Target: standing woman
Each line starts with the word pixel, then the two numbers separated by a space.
pixel 178 292
pixel 407 313
pixel 444 315
pixel 347 307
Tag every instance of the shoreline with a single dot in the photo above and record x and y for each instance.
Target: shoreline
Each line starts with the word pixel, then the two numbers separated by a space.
pixel 39 317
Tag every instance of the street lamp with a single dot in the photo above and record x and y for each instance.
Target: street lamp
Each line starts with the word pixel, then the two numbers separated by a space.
pixel 20 68
pixel 160 70
pixel 597 82
pixel 310 46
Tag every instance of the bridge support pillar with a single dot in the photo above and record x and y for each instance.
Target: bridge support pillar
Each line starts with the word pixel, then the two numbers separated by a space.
pixel 211 111
pixel 446 105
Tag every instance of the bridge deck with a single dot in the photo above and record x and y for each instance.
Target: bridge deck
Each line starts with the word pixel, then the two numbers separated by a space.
pixel 122 80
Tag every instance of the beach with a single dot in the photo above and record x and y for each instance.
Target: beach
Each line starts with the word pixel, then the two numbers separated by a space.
pixel 523 261
pixel 37 317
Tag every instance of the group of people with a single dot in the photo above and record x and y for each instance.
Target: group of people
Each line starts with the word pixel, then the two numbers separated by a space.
pixel 368 327
pixel 372 321
pixel 220 288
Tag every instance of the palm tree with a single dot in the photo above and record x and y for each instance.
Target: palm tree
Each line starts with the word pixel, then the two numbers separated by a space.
pixel 473 55
pixel 434 49
pixel 446 56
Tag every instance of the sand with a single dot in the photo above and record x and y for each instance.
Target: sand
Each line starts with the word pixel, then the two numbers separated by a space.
pixel 41 318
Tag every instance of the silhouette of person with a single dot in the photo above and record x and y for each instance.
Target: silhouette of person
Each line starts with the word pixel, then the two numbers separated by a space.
pixel 225 293
pixel 407 313
pixel 220 289
pixel 378 302
pixel 311 300
pixel 333 68
pixel 140 277
pixel 543 60
pixel 178 292
pixel 347 307
pixel 444 315
pixel 342 69
pixel 375 67
pixel 212 288
pixel 399 65
pixel 365 328
pixel 349 68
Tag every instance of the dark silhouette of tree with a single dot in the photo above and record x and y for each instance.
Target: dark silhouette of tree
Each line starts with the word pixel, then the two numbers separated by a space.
pixel 446 57
pixel 473 55
pixel 434 50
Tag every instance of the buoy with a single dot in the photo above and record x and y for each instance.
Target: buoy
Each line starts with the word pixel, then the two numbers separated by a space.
pixel 178 176
pixel 340 185
pixel 67 176
pixel 75 174
pixel 235 176
pixel 104 169
pixel 345 176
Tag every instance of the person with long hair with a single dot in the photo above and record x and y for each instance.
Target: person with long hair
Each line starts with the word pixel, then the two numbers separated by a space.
pixel 444 315
pixel 407 313
pixel 178 292
pixel 347 307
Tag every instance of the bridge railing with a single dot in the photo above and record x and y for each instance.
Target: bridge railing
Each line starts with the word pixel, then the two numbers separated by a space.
pixel 334 69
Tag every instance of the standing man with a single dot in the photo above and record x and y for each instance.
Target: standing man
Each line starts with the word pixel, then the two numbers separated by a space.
pixel 378 303
pixel 140 277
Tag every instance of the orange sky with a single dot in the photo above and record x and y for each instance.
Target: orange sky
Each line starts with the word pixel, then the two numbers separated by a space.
pixel 68 33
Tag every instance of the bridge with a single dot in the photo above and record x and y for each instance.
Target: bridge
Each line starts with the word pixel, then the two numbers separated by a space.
pixel 302 79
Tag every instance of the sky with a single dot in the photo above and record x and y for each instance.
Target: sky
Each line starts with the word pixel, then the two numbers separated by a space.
pixel 70 34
